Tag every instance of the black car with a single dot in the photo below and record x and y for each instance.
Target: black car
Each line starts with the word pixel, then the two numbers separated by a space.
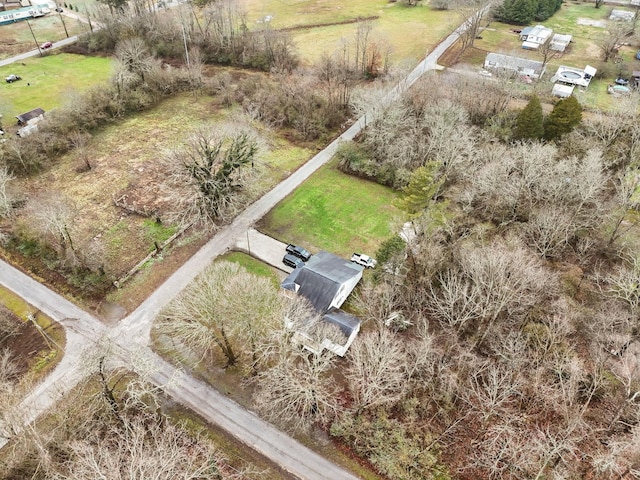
pixel 292 261
pixel 300 252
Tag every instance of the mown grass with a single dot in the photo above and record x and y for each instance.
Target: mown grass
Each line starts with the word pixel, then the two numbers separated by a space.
pixel 48 81
pixel 395 20
pixel 336 212
pixel 17 37
pixel 252 265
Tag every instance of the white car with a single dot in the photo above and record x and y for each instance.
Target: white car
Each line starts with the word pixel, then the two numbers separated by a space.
pixel 364 260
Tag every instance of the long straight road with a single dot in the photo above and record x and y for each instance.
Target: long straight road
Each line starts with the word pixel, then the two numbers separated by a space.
pixel 131 337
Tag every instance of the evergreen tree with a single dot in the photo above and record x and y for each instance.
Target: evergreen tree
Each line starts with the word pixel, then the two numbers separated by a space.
pixel 546 9
pixel 424 184
pixel 519 12
pixel 530 122
pixel 566 114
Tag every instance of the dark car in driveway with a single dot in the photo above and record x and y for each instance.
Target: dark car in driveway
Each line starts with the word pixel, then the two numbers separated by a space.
pixel 298 251
pixel 292 261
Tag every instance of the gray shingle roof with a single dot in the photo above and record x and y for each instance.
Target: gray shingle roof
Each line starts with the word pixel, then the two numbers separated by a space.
pixel 347 322
pixel 321 277
pixel 25 117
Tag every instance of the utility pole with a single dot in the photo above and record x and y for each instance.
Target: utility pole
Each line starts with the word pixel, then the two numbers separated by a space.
pixel 34 37
pixel 59 10
pixel 186 50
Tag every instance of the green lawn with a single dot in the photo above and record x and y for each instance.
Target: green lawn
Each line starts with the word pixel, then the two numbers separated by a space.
pixel 18 37
pixel 252 265
pixel 395 20
pixel 48 81
pixel 336 212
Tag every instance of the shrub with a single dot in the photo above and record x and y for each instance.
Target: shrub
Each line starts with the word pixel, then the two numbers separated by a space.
pixel 390 248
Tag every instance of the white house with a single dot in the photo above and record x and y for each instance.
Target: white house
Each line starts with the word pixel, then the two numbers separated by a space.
pixel 326 281
pixel 516 65
pixel 533 37
pixel 621 15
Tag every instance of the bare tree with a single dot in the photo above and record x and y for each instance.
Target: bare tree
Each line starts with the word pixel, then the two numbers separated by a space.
pixel 144 447
pixel 80 142
pixel 134 59
pixel 492 390
pixel 298 390
pixel 51 217
pixel 226 308
pixel 377 372
pixel 612 39
pixel 212 177
pixel 623 284
pixel 6 200
pixel 625 201
pixel 490 282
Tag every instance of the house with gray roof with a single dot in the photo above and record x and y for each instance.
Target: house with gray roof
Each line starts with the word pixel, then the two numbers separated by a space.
pixel 515 65
pixel 326 281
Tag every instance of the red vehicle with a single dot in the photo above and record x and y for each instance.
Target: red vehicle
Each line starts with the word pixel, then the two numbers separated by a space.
pixel 46 45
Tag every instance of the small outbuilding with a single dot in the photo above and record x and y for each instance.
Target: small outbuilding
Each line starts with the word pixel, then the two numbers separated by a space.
pixel 559 42
pixel 562 91
pixel 30 117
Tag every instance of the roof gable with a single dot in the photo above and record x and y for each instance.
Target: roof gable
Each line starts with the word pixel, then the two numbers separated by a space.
pixel 25 117
pixel 320 279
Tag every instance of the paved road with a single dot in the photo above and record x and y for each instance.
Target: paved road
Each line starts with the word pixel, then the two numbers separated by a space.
pixel 130 338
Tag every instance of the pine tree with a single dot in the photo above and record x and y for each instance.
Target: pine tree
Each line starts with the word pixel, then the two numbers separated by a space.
pixel 424 184
pixel 566 114
pixel 519 12
pixel 530 122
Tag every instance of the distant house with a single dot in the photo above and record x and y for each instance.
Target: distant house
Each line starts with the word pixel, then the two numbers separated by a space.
pixel 559 42
pixel 533 37
pixel 30 117
pixel 515 65
pixel 326 281
pixel 621 15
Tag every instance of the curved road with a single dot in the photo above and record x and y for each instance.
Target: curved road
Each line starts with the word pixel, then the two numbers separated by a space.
pixel 130 338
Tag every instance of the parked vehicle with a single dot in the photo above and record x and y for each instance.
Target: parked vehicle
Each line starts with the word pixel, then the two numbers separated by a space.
pixel 13 78
pixel 300 252
pixel 638 55
pixel 364 260
pixel 622 81
pixel 292 261
pixel 46 45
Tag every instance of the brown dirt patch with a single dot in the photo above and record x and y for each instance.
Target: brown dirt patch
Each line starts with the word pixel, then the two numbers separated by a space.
pixel 25 343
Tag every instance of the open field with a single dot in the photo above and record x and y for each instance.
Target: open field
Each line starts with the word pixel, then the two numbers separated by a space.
pixel 335 212
pixel 133 165
pixel 17 38
pixel 393 22
pixel 49 81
